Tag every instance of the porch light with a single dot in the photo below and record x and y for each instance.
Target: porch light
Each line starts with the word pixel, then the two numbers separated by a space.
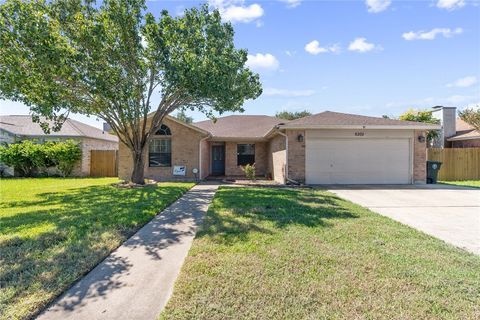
pixel 421 139
pixel 300 138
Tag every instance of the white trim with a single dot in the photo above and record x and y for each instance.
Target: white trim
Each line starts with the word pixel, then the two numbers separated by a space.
pixel 463 138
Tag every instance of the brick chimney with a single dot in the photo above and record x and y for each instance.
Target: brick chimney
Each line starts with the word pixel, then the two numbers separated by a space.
pixel 448 118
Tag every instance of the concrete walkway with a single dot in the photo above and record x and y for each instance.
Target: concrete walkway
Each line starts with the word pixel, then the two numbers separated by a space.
pixel 447 212
pixel 136 280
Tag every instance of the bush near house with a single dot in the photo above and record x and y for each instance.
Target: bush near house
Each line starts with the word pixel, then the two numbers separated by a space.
pixel 64 155
pixel 28 157
pixel 249 170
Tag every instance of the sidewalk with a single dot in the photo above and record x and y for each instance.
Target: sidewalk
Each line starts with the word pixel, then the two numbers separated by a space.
pixel 136 280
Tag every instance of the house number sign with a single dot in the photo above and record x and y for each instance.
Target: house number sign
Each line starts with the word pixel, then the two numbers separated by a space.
pixel 359 134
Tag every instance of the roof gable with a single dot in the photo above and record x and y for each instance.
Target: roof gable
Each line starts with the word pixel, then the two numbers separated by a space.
pixel 240 126
pixel 329 118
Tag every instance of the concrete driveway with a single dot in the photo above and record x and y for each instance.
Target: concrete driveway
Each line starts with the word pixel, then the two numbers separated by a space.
pixel 449 213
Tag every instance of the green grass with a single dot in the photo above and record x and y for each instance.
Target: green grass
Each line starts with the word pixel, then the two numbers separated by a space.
pixel 52 231
pixel 307 254
pixel 466 183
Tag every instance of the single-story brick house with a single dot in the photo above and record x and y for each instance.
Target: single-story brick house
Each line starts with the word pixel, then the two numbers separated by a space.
pixel 465 136
pixel 16 128
pixel 325 148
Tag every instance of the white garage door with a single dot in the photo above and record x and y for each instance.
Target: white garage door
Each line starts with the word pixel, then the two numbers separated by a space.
pixel 357 161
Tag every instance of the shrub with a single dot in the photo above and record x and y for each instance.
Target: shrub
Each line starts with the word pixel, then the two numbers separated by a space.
pixel 249 170
pixel 24 157
pixel 64 155
pixel 27 156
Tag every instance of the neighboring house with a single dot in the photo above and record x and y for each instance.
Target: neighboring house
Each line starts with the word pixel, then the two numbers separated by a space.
pixel 455 133
pixel 21 127
pixel 465 137
pixel 326 148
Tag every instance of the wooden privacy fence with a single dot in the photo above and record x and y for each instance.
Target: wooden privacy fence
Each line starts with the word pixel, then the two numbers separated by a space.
pixel 457 163
pixel 103 163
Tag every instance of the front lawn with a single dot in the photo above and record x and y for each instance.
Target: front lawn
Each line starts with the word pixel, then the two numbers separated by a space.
pixel 52 231
pixel 267 253
pixel 465 183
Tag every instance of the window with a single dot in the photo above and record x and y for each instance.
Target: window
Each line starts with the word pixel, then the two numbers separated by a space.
pixel 163 131
pixel 245 154
pixel 160 153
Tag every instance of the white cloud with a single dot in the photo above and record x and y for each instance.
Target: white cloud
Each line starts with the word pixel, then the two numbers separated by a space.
pixel 265 61
pixel 287 93
pixel 290 53
pixel 314 48
pixel 457 99
pixel 463 82
pixel 292 3
pixel 236 10
pixel 376 6
pixel 361 45
pixel 450 4
pixel 432 34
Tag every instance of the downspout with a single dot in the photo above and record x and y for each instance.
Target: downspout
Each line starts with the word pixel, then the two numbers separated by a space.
pixel 200 157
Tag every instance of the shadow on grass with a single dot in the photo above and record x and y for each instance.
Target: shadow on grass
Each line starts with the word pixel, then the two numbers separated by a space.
pixel 84 225
pixel 238 212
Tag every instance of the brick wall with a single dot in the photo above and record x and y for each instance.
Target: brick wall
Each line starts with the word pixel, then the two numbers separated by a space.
pixel 419 159
pixel 296 155
pixel 185 152
pixel 472 143
pixel 261 158
pixel 277 157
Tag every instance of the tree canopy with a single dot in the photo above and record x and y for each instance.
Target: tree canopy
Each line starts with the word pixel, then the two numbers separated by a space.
pixel 471 116
pixel 182 116
pixel 292 115
pixel 421 116
pixel 113 60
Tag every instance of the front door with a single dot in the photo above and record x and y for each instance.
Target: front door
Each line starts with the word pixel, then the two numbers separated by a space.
pixel 218 160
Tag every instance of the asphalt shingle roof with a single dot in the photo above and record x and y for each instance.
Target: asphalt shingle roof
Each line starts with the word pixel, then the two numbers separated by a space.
pixel 240 126
pixel 23 125
pixel 329 118
pixel 464 131
pixel 250 126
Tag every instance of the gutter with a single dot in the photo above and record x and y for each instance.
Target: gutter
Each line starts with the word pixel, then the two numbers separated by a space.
pixel 460 138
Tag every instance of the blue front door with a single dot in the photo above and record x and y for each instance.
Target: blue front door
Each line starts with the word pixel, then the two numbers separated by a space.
pixel 218 160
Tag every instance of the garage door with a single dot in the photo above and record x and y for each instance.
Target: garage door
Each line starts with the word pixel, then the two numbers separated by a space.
pixel 357 161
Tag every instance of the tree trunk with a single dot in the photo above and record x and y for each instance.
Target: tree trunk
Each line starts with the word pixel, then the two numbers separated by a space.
pixel 138 174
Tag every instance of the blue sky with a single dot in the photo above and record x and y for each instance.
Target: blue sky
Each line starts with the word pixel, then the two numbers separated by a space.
pixel 369 57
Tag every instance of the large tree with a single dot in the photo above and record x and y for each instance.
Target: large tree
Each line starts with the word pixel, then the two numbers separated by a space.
pixel 471 116
pixel 112 59
pixel 182 116
pixel 292 115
